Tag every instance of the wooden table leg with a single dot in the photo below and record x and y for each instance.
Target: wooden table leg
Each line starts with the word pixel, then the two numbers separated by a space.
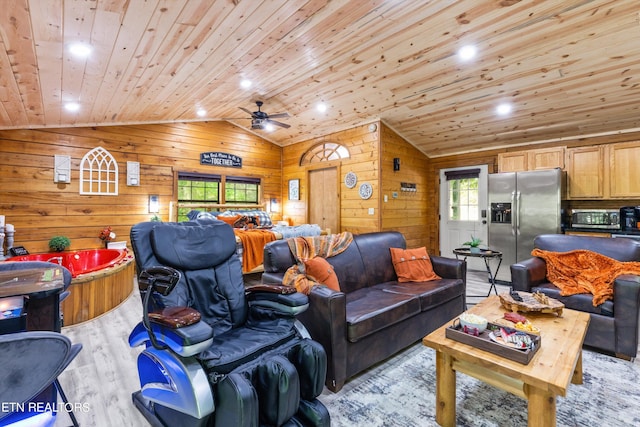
pixel 541 407
pixel 577 372
pixel 445 391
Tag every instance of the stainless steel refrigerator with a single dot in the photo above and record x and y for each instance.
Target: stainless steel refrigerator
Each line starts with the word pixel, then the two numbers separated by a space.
pixel 522 206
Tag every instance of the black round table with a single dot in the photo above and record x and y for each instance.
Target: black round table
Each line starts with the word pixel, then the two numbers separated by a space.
pixel 486 255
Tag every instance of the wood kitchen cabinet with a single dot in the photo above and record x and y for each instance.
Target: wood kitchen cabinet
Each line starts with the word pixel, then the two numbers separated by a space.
pixel 531 160
pixel 624 173
pixel 609 171
pixel 586 172
pixel 516 161
pixel 546 158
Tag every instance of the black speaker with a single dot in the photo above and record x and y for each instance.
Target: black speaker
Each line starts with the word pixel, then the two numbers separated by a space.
pixel 396 163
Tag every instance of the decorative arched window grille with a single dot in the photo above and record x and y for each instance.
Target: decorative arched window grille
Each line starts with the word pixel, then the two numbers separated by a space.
pixel 99 173
pixel 324 152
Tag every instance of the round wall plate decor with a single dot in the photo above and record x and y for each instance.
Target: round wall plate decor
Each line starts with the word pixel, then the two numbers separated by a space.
pixel 365 190
pixel 350 179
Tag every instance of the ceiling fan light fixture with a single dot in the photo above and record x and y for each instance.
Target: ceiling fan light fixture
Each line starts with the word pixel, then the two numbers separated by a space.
pixel 257 124
pixel 263 121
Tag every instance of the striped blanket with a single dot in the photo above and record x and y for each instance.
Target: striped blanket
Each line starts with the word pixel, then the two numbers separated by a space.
pixel 304 248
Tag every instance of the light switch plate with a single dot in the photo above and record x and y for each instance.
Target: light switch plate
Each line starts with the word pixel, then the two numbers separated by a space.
pixel 371 211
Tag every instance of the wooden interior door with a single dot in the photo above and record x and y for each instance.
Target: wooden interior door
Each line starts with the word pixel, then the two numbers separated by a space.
pixel 324 202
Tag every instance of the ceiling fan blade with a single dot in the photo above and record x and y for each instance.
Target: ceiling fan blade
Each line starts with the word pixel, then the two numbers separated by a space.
pixel 246 111
pixel 282 125
pixel 278 115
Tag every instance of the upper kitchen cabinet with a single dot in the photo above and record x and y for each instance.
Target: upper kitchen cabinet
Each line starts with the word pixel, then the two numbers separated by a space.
pixel 513 161
pixel 546 158
pixel 531 160
pixel 609 171
pixel 624 163
pixel 586 172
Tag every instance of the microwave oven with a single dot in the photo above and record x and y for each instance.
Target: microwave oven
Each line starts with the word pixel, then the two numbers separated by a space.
pixel 608 219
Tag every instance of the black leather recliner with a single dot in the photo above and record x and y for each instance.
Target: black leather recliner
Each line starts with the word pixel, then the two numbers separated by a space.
pixel 614 324
pixel 245 362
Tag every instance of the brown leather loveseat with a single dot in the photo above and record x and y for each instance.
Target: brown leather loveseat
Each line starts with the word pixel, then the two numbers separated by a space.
pixel 373 315
pixel 613 325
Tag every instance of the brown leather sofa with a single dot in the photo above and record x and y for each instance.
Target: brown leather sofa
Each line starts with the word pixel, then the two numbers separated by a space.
pixel 373 316
pixel 613 326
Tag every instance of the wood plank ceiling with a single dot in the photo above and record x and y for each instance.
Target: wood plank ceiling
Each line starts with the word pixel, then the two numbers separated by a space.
pixel 569 68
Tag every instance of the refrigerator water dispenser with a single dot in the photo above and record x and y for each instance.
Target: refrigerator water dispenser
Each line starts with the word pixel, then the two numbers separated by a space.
pixel 501 213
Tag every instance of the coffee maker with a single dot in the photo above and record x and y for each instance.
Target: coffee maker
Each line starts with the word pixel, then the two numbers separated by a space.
pixel 630 218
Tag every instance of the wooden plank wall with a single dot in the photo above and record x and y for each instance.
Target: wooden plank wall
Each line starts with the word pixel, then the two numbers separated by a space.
pixel 372 154
pixel 40 208
pixel 408 212
pixel 364 148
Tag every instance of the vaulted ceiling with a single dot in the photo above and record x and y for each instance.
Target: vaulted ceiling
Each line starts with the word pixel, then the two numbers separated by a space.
pixel 568 68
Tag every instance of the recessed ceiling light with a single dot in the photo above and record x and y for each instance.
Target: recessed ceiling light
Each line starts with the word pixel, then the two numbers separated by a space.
pixel 321 107
pixel 201 112
pixel 80 50
pixel 72 106
pixel 467 52
pixel 504 109
pixel 246 83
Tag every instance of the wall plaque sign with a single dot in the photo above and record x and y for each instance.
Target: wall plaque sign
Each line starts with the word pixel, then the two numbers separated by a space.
pixel 215 158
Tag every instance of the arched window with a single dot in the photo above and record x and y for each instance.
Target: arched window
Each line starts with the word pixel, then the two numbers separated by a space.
pixel 99 173
pixel 324 152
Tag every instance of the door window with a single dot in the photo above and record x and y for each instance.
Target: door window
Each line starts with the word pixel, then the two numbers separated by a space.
pixel 463 199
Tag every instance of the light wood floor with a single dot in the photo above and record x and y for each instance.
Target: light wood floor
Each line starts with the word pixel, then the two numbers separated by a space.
pixel 104 374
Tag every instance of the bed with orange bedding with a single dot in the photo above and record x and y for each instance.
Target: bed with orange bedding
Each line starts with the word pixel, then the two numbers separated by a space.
pixel 250 243
pixel 253 235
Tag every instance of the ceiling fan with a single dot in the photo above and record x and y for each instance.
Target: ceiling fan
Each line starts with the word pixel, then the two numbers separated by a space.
pixel 261 120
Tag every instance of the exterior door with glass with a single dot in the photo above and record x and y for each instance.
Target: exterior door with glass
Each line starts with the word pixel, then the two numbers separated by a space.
pixel 463 207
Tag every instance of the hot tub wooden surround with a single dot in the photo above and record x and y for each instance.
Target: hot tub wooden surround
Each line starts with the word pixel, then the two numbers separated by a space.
pixel 96 293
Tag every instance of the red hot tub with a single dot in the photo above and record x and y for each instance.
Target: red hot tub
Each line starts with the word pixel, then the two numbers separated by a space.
pixel 79 262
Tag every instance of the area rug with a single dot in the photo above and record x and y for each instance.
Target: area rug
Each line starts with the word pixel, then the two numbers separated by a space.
pixel 401 392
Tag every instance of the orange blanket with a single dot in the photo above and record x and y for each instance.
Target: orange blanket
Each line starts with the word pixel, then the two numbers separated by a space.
pixel 304 248
pixel 253 242
pixel 582 271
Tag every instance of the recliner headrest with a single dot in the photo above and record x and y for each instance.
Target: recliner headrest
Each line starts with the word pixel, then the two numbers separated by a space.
pixel 186 246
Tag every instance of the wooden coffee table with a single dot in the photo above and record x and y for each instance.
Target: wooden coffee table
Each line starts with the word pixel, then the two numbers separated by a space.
pixel 557 363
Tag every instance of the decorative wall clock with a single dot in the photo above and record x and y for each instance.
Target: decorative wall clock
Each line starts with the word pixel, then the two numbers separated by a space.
pixel 365 190
pixel 350 179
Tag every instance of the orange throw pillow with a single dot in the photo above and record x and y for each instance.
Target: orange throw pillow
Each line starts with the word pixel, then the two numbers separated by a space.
pixel 412 265
pixel 319 270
